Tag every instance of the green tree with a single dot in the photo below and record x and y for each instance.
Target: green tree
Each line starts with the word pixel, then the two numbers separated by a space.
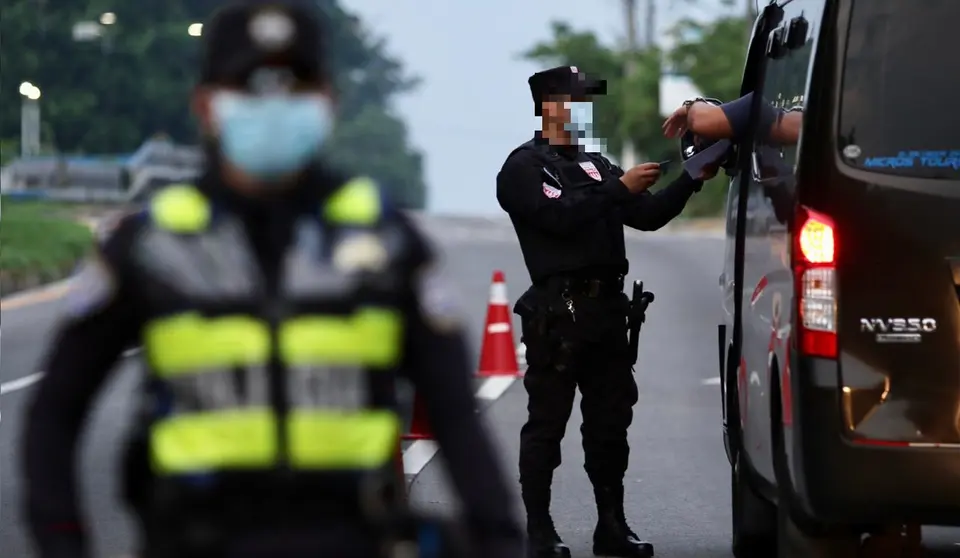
pixel 9 150
pixel 712 54
pixel 109 94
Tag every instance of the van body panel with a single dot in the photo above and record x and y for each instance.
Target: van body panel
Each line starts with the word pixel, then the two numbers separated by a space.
pixel 843 482
pixel 894 190
pixel 872 436
pixel 899 324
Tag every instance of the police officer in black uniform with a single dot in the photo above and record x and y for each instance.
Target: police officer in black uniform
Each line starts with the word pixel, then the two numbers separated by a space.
pixel 569 206
pixel 275 301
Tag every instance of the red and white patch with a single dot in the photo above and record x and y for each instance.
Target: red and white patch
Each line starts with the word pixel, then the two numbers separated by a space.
pixel 551 191
pixel 591 170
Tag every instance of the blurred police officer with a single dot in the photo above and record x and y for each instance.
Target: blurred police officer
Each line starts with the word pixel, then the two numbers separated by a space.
pixel 275 301
pixel 569 206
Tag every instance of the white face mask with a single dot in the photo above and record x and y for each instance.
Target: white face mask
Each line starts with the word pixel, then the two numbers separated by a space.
pixel 581 118
pixel 272 135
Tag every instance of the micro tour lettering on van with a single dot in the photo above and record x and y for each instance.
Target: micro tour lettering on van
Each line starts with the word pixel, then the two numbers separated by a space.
pixel 913 159
pixel 898 330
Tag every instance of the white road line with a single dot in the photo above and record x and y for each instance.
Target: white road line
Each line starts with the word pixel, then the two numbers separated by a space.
pixel 27 381
pixel 418 455
pixel 492 388
pixel 421 452
pixel 20 383
pixel 711 381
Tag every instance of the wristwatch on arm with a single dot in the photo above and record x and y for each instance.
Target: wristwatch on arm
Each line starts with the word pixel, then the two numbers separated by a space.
pixel 690 102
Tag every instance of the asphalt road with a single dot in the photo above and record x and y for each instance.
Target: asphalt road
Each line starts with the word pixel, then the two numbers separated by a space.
pixel 678 481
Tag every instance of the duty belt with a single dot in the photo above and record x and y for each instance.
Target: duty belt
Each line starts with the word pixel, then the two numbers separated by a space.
pixel 590 288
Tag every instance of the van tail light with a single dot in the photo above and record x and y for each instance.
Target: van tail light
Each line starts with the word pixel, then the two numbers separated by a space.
pixel 815 269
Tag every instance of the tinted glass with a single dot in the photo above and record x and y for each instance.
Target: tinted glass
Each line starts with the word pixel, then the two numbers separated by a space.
pixel 901 86
pixel 784 90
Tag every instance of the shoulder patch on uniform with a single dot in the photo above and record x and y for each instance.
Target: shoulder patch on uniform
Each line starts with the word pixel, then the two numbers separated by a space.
pixel 439 301
pixel 591 170
pixel 91 288
pixel 551 192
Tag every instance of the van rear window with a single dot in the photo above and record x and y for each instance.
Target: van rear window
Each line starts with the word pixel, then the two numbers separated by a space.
pixel 901 88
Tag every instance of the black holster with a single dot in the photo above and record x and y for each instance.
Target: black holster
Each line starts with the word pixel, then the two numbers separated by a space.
pixel 543 319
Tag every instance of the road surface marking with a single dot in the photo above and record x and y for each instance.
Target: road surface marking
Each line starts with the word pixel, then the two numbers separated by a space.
pixel 711 381
pixel 27 381
pixel 418 455
pixel 493 388
pixel 50 292
pixel 421 452
pixel 20 383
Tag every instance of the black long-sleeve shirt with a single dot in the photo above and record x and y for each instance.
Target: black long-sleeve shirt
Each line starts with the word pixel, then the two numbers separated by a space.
pixel 104 319
pixel 577 224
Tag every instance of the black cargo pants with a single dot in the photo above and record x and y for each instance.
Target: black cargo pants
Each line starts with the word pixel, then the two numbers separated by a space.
pixel 586 349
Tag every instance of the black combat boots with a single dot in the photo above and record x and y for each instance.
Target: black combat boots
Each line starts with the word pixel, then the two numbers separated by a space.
pixel 613 537
pixel 542 538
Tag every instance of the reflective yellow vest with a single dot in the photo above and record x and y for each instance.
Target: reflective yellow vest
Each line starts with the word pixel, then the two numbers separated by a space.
pixel 215 368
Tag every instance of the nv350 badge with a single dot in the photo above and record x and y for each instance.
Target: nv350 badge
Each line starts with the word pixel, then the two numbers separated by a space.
pixel 898 330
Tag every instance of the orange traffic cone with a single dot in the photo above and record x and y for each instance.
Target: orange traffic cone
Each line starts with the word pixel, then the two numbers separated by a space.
pixel 498 354
pixel 419 425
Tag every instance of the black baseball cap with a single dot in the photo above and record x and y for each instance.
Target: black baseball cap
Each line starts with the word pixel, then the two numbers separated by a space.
pixel 564 80
pixel 246 35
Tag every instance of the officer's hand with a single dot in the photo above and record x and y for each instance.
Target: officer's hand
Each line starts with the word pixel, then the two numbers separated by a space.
pixel 708 172
pixel 641 177
pixel 676 124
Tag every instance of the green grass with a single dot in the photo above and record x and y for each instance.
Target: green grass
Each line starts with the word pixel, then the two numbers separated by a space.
pixel 39 237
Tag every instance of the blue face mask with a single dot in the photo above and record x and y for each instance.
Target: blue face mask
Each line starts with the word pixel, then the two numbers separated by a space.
pixel 271 136
pixel 581 119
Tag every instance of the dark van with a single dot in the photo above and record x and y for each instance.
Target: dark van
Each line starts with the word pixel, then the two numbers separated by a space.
pixel 840 355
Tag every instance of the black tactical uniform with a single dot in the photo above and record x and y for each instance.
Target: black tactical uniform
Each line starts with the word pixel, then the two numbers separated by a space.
pixel 273 328
pixel 569 209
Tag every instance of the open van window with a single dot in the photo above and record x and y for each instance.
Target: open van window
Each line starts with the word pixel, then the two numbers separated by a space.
pixel 901 86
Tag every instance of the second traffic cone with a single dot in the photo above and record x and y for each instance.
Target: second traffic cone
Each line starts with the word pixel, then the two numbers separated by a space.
pixel 419 424
pixel 498 353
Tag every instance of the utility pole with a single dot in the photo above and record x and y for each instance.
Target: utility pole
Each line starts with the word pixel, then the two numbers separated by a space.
pixel 650 36
pixel 628 155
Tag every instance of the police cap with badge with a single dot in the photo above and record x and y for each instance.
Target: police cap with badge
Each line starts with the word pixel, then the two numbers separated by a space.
pixel 247 35
pixel 564 80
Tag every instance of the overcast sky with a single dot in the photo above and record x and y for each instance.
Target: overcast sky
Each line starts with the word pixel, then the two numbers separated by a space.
pixel 474 106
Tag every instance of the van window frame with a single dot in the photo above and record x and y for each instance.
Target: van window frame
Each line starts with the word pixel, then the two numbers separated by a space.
pixel 753 80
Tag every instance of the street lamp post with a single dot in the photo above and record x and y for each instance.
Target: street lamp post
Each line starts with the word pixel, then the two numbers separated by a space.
pixel 29 120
